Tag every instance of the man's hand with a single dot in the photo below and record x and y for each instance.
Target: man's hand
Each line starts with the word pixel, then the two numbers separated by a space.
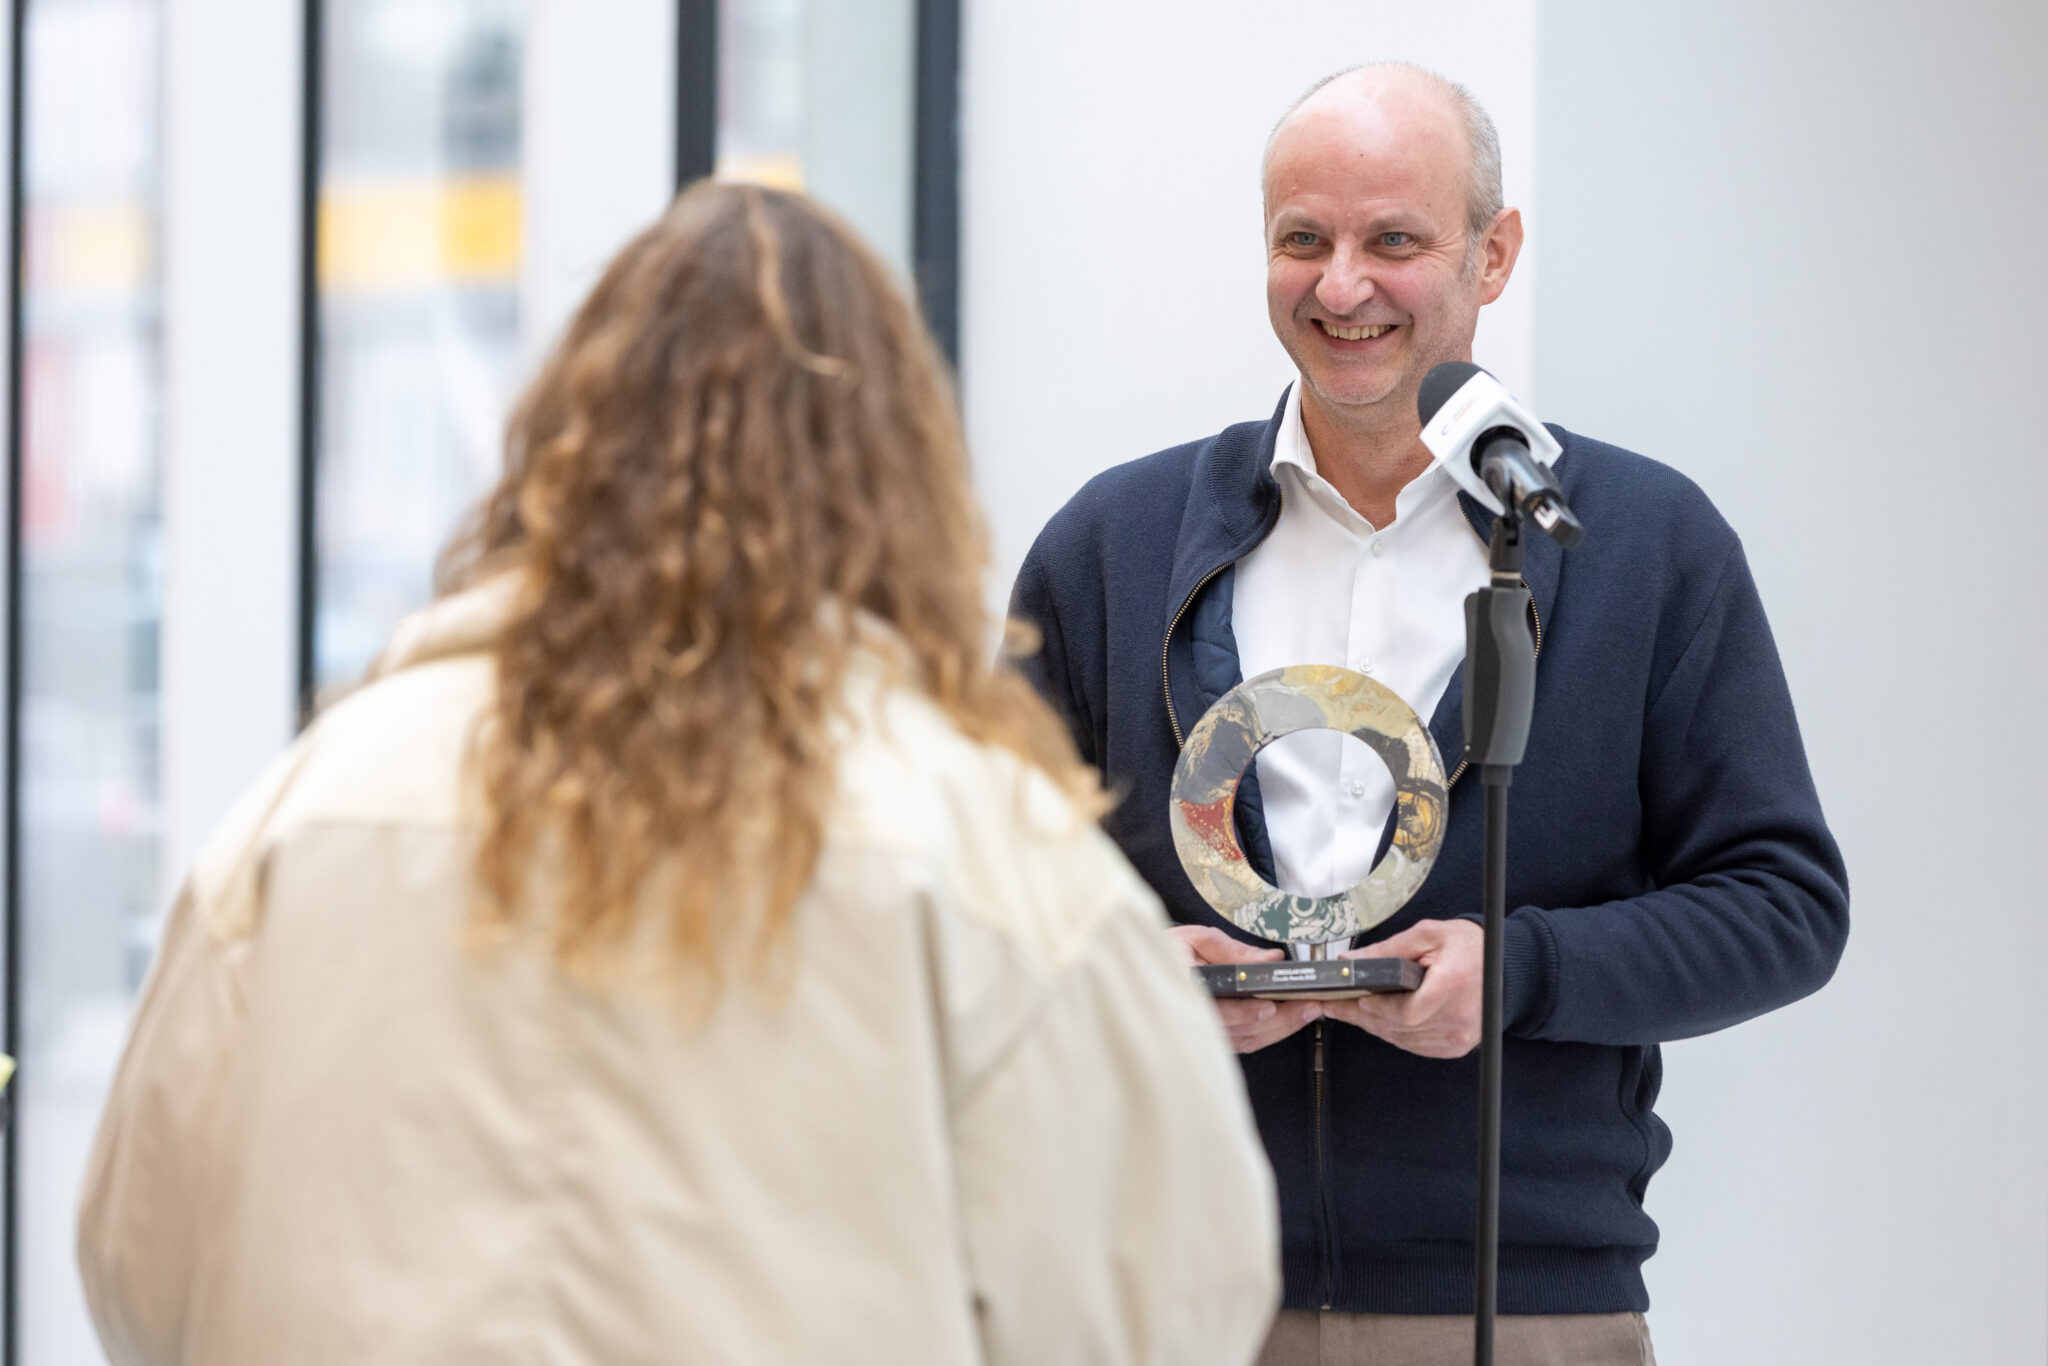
pixel 1252 1024
pixel 1440 1018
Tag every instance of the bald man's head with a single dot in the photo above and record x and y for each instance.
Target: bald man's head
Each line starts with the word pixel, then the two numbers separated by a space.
pixel 1384 238
pixel 1418 89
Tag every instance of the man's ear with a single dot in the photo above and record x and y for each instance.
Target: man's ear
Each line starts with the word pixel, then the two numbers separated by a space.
pixel 1498 253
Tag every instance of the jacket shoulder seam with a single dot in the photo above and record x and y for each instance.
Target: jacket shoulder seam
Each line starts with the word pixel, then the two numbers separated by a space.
pixel 1693 635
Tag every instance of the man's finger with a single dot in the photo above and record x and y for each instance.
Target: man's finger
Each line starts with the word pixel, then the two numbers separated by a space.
pixel 1244 1015
pixel 1436 1043
pixel 1356 1012
pixel 1209 945
pixel 1413 1008
pixel 1412 943
pixel 1389 1014
pixel 1395 1009
pixel 1287 1018
pixel 1273 1031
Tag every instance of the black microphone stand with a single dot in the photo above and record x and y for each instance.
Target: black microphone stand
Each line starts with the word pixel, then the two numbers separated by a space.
pixel 1500 696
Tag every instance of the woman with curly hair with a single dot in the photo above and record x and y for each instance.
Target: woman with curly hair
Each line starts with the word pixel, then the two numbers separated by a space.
pixel 686 946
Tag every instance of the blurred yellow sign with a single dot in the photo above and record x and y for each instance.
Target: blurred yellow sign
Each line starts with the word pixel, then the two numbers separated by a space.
pixel 89 247
pixel 777 170
pixel 389 236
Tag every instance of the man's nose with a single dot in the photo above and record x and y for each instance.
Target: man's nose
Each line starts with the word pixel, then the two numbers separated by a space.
pixel 1346 283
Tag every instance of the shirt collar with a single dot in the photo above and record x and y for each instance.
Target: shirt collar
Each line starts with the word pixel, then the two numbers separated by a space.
pixel 1291 451
pixel 1290 447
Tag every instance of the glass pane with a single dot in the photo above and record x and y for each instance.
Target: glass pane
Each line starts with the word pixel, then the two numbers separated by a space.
pixel 419 259
pixel 91 531
pixel 819 95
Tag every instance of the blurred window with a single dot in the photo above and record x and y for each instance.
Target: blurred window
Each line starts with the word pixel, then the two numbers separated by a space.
pixel 419 252
pixel 761 91
pixel 820 96
pixel 91 534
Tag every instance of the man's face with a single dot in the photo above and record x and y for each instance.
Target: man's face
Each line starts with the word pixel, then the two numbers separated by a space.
pixel 1367 282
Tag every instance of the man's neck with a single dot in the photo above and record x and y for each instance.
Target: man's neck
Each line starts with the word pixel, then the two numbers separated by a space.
pixel 1369 462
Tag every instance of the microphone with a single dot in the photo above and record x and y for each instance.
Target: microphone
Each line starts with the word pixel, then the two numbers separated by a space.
pixel 1494 447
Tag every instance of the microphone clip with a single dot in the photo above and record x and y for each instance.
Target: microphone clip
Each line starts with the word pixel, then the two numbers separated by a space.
pixel 1524 486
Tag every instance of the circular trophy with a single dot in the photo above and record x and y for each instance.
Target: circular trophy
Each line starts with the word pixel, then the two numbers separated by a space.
pixel 1220 750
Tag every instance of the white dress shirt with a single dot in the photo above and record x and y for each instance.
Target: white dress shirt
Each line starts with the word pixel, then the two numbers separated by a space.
pixel 1326 587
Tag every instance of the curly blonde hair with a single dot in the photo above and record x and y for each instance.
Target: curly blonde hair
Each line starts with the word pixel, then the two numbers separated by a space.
pixel 745 439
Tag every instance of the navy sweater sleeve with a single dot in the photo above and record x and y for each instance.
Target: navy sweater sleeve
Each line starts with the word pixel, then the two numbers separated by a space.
pixel 1046 667
pixel 1750 910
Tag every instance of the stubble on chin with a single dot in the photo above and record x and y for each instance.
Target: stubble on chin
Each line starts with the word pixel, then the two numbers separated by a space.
pixel 1358 396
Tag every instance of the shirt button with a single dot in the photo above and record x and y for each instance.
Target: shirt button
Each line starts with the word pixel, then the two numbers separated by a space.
pixel 1358 789
pixel 1379 546
pixel 1363 666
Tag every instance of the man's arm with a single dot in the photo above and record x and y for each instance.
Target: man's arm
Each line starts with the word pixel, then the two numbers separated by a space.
pixel 1046 667
pixel 1751 910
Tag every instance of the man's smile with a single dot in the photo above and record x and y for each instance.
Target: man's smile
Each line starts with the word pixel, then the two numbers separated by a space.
pixel 1360 332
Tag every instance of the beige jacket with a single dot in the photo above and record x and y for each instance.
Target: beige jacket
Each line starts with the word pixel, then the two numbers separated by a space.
pixel 991 1121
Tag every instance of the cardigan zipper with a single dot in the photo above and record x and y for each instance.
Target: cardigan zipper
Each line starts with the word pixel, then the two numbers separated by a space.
pixel 1166 651
pixel 1329 1239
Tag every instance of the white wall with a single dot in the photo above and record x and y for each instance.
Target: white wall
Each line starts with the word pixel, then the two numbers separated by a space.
pixel 1793 250
pixel 1790 250
pixel 1113 282
pixel 232 177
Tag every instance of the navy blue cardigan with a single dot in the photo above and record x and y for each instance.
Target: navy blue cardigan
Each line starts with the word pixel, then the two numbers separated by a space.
pixel 1669 870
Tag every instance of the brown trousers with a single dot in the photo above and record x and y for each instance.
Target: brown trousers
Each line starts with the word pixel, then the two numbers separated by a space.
pixel 1304 1338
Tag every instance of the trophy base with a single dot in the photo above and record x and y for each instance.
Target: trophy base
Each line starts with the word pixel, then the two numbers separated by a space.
pixel 1326 979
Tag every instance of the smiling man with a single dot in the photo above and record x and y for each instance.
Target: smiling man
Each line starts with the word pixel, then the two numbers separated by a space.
pixel 1669 873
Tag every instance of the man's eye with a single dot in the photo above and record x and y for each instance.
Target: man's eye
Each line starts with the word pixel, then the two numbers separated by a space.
pixel 1395 239
pixel 1301 239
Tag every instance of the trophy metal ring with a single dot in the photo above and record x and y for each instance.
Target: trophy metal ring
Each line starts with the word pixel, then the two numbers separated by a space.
pixel 1220 751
